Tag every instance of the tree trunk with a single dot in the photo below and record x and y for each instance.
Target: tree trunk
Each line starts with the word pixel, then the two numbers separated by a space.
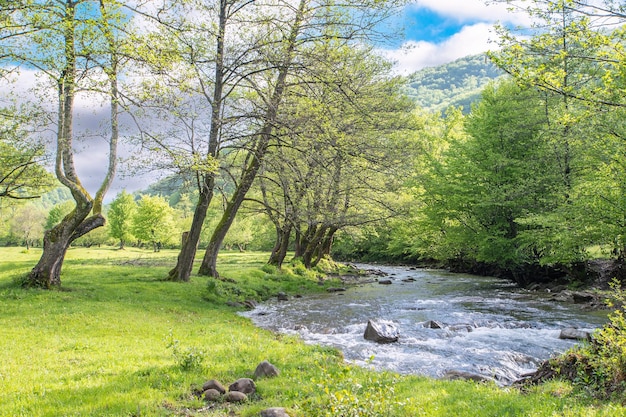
pixel 56 241
pixel 313 246
pixel 282 245
pixel 274 254
pixel 182 271
pixel 187 255
pixel 325 245
pixel 299 244
pixel 209 262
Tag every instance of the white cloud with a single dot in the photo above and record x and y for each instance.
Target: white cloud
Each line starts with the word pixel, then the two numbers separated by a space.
pixel 415 55
pixel 463 10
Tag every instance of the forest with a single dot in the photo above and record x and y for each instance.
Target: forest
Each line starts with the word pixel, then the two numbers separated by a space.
pixel 276 127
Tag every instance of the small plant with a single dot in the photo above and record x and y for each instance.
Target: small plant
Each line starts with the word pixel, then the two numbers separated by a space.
pixel 187 358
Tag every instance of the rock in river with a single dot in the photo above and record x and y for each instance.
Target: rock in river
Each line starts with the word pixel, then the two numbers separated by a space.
pixel 381 331
pixel 574 334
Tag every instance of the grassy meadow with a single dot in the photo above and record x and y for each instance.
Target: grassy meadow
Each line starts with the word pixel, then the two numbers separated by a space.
pixel 117 340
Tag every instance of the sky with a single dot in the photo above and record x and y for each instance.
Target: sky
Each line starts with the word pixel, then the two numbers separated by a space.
pixel 441 31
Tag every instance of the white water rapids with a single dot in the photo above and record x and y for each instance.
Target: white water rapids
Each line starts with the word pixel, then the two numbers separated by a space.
pixel 490 326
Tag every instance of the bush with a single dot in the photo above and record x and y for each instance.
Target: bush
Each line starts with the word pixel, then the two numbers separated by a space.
pixel 599 366
pixel 187 358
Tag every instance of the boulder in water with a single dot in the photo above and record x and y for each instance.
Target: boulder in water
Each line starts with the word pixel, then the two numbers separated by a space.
pixel 432 324
pixel 574 334
pixel 381 331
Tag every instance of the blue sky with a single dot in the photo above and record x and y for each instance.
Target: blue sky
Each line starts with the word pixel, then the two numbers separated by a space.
pixel 440 31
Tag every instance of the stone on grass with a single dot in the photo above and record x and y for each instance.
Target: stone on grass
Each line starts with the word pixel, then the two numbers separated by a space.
pixel 214 384
pixel 274 412
pixel 265 370
pixel 211 395
pixel 466 376
pixel 236 397
pixel 245 385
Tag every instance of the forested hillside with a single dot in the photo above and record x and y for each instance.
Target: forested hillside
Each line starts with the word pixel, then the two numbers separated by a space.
pixel 457 83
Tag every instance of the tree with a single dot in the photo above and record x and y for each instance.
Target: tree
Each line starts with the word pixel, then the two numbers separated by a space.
pixel 309 23
pixel 72 44
pixel 573 45
pixel 28 224
pixel 120 217
pixel 500 171
pixel 341 156
pixel 153 221
pixel 576 53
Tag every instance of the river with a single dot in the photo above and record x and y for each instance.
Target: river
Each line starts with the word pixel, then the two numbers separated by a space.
pixel 490 326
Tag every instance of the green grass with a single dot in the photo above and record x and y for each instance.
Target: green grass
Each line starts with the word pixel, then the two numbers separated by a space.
pixel 117 340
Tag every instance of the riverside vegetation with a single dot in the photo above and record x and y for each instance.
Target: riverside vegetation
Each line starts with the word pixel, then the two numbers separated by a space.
pixel 118 340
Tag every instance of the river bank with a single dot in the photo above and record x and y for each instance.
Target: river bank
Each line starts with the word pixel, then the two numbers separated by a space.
pixel 118 341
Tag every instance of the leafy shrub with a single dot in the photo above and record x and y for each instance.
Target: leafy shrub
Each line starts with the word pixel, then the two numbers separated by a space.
pixel 600 365
pixel 269 269
pixel 187 358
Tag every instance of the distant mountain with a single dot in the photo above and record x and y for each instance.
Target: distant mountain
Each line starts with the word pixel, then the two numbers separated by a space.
pixel 457 83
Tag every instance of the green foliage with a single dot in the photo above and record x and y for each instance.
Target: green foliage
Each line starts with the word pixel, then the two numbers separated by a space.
pixel 153 221
pixel 58 212
pixel 120 217
pixel 351 394
pixel 22 174
pixel 187 358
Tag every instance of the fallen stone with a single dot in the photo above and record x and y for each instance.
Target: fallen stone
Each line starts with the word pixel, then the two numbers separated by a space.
pixel 274 412
pixel 214 384
pixel 211 395
pixel 334 289
pixel 236 397
pixel 461 327
pixel 245 385
pixel 381 332
pixel 265 370
pixel 582 298
pixel 282 296
pixel 385 282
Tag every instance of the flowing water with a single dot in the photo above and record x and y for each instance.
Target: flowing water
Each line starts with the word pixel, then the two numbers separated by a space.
pixel 490 326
